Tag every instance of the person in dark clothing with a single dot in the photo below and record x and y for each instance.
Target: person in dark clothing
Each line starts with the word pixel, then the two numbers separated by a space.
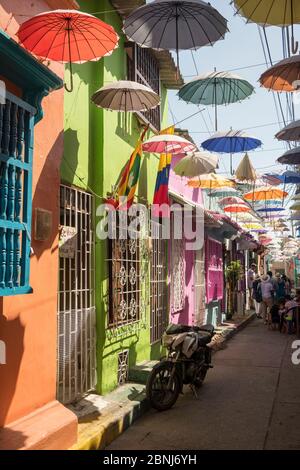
pixel 256 295
pixel 276 312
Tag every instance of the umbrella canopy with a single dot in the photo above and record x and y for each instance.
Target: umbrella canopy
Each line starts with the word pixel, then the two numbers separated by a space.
pixel 245 171
pixel 290 177
pixel 290 132
pixel 126 96
pixel 291 157
pixel 231 200
pixel 68 36
pixel 283 76
pixel 295 206
pixel 231 142
pixel 265 193
pixel 271 209
pixel 271 179
pixel 223 191
pixel 175 25
pixel 167 143
pixel 269 12
pixel 235 208
pixel 216 88
pixel 210 181
pixel 196 164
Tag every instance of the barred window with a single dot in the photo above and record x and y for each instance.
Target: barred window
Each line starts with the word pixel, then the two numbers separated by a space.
pixel 124 276
pixel 143 67
pixel 16 149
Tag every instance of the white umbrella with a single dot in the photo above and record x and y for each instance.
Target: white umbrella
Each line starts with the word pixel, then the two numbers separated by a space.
pixel 126 96
pixel 196 164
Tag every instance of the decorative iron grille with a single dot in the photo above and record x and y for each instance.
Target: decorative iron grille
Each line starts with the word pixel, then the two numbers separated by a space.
pixel 123 366
pixel 124 276
pixel 158 266
pixel 143 67
pixel 76 370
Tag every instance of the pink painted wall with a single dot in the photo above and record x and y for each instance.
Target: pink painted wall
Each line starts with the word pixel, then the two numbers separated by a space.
pixel 178 185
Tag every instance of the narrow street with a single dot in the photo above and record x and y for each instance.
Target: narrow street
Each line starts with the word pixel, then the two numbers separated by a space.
pixel 250 400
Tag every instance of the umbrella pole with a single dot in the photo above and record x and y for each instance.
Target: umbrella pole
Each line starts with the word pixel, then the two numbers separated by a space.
pixel 231 169
pixel 216 109
pixel 70 58
pixel 295 44
pixel 177 42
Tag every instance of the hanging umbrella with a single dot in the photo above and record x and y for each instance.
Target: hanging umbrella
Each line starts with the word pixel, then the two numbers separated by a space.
pixel 196 164
pixel 175 25
pixel 223 191
pixel 68 36
pixel 126 96
pixel 283 76
pixel 210 181
pixel 216 88
pixel 271 13
pixel 295 206
pixel 271 209
pixel 296 197
pixel 245 171
pixel 265 193
pixel 231 142
pixel 235 208
pixel 272 179
pixel 290 132
pixel 231 200
pixel 167 143
pixel 291 157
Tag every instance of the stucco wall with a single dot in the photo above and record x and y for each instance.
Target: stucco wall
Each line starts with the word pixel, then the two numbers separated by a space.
pixel 28 323
pixel 98 144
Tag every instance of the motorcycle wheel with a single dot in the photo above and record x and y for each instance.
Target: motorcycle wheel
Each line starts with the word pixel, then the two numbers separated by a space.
pixel 200 378
pixel 160 393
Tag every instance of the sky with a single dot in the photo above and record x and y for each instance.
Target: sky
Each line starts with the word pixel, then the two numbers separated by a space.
pixel 241 49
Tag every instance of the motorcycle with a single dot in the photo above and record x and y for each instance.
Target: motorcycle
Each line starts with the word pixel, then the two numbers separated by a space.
pixel 187 362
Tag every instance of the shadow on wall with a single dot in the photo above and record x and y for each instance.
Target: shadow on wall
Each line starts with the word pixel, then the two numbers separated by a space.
pixel 12 334
pixel 49 181
pixel 69 162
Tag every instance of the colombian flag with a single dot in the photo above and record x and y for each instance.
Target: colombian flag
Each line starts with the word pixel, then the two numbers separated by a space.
pixel 129 178
pixel 161 195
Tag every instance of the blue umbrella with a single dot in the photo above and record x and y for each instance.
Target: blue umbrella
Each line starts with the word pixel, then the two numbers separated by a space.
pixel 231 142
pixel 271 209
pixel 290 177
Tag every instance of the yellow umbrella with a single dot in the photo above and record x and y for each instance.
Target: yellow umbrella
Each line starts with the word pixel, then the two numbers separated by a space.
pixel 253 226
pixel 295 206
pixel 265 193
pixel 271 12
pixel 245 170
pixel 211 181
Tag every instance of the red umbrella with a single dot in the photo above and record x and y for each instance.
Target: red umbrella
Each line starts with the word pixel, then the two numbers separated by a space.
pixel 68 36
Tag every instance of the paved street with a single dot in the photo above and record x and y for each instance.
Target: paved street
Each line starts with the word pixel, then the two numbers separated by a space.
pixel 250 400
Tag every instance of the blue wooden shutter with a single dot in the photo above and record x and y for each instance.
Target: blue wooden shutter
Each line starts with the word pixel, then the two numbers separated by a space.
pixel 16 151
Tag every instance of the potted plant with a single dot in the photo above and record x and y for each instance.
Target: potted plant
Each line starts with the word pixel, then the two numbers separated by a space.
pixel 233 274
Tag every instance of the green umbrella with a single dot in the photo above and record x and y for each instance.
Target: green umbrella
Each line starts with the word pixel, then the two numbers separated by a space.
pixel 216 88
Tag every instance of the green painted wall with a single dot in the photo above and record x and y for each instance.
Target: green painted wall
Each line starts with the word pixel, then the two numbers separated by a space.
pixel 98 143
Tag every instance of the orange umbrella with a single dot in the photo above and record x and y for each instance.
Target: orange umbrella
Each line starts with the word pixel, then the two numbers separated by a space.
pixel 236 208
pixel 283 76
pixel 211 181
pixel 265 193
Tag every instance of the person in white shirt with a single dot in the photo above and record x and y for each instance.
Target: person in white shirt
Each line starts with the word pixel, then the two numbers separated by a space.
pixel 250 279
pixel 267 293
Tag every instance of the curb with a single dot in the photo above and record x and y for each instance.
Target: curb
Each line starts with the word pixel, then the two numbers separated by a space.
pixel 102 430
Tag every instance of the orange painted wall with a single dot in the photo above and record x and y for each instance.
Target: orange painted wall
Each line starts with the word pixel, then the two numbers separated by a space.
pixel 28 322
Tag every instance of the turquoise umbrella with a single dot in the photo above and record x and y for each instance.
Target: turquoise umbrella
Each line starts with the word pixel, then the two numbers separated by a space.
pixel 216 88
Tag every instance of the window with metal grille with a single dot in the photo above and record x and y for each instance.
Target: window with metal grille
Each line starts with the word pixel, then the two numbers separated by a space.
pixel 76 370
pixel 16 148
pixel 158 290
pixel 124 276
pixel 143 67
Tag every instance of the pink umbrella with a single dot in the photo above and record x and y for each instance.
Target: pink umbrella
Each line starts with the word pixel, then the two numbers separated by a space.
pixel 167 143
pixel 231 200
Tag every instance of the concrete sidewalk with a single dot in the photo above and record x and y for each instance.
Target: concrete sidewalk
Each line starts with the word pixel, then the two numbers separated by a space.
pixel 250 400
pixel 103 419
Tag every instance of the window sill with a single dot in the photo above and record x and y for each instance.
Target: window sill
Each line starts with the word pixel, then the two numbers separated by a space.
pixel 7 291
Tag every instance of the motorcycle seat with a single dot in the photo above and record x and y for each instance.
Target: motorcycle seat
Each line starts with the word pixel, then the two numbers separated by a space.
pixel 203 338
pixel 208 327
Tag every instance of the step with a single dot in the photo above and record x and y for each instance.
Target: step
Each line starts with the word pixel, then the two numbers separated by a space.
pixel 141 371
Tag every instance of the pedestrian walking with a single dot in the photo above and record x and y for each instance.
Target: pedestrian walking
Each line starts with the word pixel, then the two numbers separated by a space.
pixel 281 287
pixel 250 279
pixel 267 293
pixel 257 296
